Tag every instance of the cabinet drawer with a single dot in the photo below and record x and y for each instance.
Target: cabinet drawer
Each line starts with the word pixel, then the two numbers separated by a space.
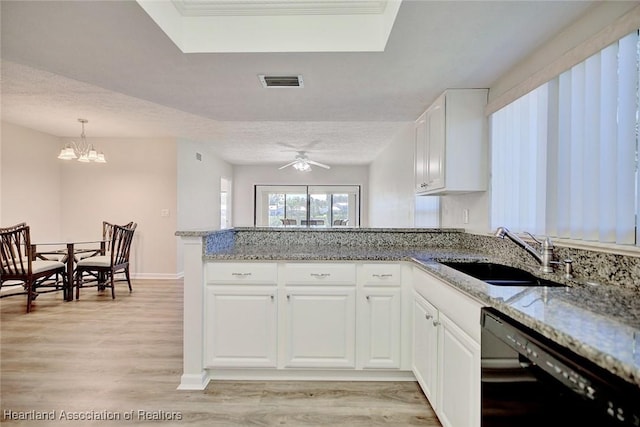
pixel 381 274
pixel 242 272
pixel 320 273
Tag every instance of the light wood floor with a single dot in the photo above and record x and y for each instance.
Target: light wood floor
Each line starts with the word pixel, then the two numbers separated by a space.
pixel 113 358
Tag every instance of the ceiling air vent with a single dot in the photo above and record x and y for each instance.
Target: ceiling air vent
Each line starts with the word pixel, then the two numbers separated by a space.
pixel 281 81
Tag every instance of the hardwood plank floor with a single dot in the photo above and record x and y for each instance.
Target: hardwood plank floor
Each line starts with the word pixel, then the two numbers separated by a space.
pixel 122 359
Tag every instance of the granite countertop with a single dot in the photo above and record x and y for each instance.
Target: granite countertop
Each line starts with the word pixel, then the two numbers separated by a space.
pixel 335 253
pixel 600 323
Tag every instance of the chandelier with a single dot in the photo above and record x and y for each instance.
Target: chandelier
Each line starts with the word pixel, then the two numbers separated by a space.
pixel 82 150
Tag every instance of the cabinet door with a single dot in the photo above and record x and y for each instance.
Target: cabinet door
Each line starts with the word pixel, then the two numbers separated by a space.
pixel 435 121
pixel 241 326
pixel 380 331
pixel 320 327
pixel 421 164
pixel 425 347
pixel 459 367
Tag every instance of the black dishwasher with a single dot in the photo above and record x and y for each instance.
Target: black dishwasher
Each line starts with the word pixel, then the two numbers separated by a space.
pixel 528 380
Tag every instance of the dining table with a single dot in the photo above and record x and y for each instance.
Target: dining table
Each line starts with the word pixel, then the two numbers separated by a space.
pixel 68 252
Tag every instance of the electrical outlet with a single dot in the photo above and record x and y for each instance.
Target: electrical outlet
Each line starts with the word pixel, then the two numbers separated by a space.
pixel 164 212
pixel 465 216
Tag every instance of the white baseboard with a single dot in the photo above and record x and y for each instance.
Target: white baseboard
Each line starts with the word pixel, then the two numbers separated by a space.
pixel 194 381
pixel 245 374
pixel 156 276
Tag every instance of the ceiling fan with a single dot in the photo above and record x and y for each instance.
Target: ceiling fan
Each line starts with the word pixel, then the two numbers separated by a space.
pixel 303 164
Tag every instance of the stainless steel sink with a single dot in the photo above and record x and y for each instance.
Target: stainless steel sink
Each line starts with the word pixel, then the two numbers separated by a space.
pixel 499 275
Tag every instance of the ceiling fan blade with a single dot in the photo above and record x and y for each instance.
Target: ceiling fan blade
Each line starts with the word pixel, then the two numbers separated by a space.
pixel 322 165
pixel 288 164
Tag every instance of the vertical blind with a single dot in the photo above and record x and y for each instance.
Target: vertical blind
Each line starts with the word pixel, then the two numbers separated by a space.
pixel 518 158
pixel 565 156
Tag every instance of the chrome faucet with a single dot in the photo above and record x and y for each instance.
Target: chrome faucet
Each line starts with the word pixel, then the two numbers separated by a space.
pixel 545 257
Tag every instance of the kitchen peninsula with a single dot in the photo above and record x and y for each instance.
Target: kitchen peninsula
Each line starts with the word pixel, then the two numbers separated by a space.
pixel 341 304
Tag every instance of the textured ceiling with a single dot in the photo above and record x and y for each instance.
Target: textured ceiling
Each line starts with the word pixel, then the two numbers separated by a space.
pixel 107 61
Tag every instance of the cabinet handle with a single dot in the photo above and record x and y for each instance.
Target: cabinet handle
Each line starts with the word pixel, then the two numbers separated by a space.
pixel 241 274
pixel 288 297
pixel 436 323
pixel 320 275
pixel 382 276
pixel 272 298
pixel 428 316
pixel 368 297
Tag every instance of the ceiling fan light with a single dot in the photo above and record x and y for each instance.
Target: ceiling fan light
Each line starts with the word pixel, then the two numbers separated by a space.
pixel 302 166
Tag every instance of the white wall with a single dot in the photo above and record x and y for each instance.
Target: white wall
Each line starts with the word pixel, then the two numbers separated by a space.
pixel 30 182
pixel 69 200
pixel 566 49
pixel 453 206
pixel 246 177
pixel 391 183
pixel 198 184
pixel 136 184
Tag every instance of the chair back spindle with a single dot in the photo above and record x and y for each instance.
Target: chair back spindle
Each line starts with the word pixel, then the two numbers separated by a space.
pixel 121 244
pixel 18 263
pixel 100 270
pixel 107 232
pixel 15 242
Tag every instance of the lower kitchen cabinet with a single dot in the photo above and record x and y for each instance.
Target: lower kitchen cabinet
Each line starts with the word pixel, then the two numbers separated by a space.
pixel 446 352
pixel 380 332
pixel 241 326
pixel 459 368
pixel 320 327
pixel 425 347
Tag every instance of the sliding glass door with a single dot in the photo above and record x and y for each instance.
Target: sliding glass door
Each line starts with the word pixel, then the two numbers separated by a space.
pixel 307 206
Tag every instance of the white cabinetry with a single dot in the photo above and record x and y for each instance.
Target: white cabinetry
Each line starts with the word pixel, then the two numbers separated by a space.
pixel 241 326
pixel 429 146
pixel 311 319
pixel 320 315
pixel 446 354
pixel 459 368
pixel 425 346
pixel 451 144
pixel 320 327
pixel 379 307
pixel 241 319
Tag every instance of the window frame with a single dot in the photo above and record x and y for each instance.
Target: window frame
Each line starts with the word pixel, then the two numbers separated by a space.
pixel 261 193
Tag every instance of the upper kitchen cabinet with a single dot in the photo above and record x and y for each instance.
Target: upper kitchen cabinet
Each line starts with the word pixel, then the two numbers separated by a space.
pixel 451 144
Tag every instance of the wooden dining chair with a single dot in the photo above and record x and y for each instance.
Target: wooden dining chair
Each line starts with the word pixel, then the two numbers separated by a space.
pixel 18 263
pixel 100 270
pixel 107 232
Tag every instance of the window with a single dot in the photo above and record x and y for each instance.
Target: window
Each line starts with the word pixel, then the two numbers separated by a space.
pixel 225 203
pixel 565 156
pixel 305 205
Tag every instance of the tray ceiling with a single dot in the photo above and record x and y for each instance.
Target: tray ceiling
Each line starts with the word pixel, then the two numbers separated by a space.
pixel 198 26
